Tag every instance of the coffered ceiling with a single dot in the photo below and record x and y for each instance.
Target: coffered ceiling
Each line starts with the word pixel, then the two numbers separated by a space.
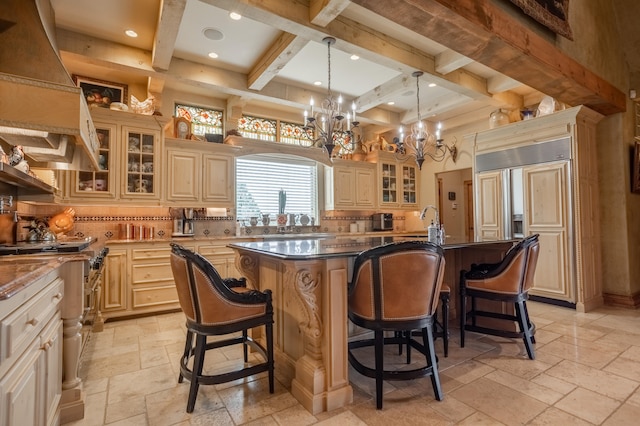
pixel 275 53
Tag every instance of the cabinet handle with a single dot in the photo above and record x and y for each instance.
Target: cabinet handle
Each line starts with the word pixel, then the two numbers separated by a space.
pixel 33 322
pixel 46 345
pixel 58 296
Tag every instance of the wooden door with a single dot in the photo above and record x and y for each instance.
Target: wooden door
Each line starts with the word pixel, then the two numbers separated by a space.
pixel 489 210
pixel 546 213
pixel 469 231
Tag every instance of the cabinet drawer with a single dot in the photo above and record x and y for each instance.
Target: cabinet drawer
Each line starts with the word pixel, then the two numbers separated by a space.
pixel 151 253
pixel 22 326
pixel 154 296
pixel 152 273
pixel 215 251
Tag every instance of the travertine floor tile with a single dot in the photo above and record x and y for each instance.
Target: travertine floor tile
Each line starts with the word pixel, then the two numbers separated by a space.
pixel 499 402
pixel 588 405
pixel 611 385
pixel 586 372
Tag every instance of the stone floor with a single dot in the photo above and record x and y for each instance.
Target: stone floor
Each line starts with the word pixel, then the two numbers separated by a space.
pixel 586 372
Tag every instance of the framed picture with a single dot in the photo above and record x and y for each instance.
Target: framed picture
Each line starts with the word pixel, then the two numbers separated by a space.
pixel 182 128
pixel 100 93
pixel 635 173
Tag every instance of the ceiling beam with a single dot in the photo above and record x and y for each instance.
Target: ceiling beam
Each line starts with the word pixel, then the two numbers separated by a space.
pixel 381 93
pixel 321 12
pixel 274 59
pixel 164 41
pixel 488 34
pixel 210 81
pixel 501 83
pixel 450 60
pixel 293 16
pixel 433 107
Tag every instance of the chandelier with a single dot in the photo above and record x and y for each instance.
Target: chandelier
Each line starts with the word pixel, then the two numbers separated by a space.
pixel 328 126
pixel 420 142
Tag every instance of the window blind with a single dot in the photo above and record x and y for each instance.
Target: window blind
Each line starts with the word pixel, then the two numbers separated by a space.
pixel 260 178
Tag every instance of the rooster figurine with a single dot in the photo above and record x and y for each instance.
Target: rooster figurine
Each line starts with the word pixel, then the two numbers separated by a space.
pixel 146 107
pixel 62 223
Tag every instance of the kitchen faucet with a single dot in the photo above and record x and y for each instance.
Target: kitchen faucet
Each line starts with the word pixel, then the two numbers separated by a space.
pixel 424 213
pixel 436 232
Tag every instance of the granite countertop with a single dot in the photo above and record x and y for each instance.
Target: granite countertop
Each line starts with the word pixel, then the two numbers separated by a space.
pixel 295 249
pixel 270 237
pixel 19 271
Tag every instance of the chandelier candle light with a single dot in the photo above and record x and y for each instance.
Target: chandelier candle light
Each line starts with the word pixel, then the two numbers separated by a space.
pixel 420 142
pixel 329 124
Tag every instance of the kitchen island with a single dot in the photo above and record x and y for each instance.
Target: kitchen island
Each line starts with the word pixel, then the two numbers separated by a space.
pixel 308 278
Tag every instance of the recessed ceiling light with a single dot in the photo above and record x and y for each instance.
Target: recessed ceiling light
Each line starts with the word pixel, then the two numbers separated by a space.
pixel 213 55
pixel 213 34
pixel 235 16
pixel 355 57
pixel 131 33
pixel 391 103
pixel 432 85
pixel 317 83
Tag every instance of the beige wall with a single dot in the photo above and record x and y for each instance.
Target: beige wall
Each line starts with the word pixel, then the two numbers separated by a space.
pixel 597 45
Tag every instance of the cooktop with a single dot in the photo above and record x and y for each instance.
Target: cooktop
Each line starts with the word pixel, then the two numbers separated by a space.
pixel 25 247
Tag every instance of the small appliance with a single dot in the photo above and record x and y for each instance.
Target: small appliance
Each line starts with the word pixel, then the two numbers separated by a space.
pixel 382 222
pixel 188 222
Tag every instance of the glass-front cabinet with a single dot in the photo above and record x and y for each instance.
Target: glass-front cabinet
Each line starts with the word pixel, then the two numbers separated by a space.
pixel 129 159
pixel 389 187
pixel 409 185
pixel 398 181
pixel 141 158
pixel 99 183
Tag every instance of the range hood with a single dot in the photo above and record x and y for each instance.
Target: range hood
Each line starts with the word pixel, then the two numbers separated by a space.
pixel 40 107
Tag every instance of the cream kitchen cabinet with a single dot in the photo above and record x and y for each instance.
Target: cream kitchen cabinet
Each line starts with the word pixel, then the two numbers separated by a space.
pixel 113 294
pixel 350 185
pixel 200 174
pixel 139 279
pixel 131 148
pixel 398 181
pixel 31 354
pixel 99 184
pixel 540 176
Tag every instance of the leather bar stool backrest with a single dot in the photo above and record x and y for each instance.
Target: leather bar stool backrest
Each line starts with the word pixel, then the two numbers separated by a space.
pixel 396 282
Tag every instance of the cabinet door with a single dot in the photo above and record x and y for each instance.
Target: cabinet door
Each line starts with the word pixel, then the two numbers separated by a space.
pixel 365 195
pixel 389 185
pixel 142 160
pixel 344 186
pixel 546 213
pixel 489 209
pixel 409 186
pixel 183 175
pixel 218 181
pixel 114 283
pixel 20 400
pixel 51 348
pixel 101 183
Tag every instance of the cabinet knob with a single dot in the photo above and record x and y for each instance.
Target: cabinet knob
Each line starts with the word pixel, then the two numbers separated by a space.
pixel 33 322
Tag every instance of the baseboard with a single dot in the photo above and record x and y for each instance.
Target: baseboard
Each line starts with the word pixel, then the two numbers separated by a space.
pixel 622 301
pixel 550 301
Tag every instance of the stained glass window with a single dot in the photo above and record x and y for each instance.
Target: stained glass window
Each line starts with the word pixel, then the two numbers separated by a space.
pixel 203 120
pixel 295 134
pixel 257 128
